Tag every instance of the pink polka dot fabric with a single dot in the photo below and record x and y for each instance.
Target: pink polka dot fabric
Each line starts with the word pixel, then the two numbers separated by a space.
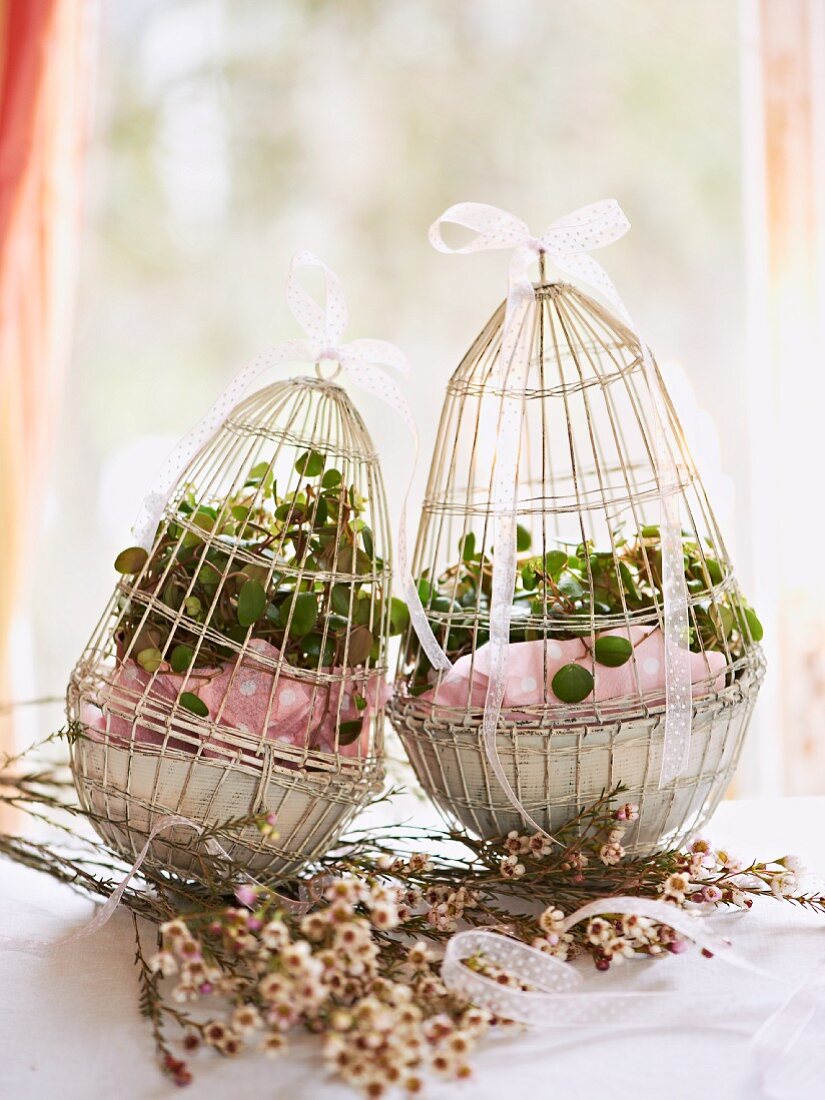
pixel 255 697
pixel 533 664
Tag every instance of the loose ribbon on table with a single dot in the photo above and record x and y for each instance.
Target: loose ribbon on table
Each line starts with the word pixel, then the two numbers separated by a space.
pixel 107 910
pixel 363 361
pixel 213 848
pixel 568 242
pixel 552 1000
pixel 772 1045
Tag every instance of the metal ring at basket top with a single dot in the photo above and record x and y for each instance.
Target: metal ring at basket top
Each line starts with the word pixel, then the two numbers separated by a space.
pixel 328 359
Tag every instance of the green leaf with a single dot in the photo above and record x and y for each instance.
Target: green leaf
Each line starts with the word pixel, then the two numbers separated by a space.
pixel 257 473
pixel 204 522
pixel 366 538
pixel 209 575
pixel 362 610
pixel 399 616
pixel 259 573
pixel 569 586
pixel 425 591
pixel 172 594
pixel 351 560
pixel 340 599
pixel 572 683
pixel 524 540
pixel 150 659
pixel 321 512
pixel 312 650
pixel 612 651
pixel 529 579
pixel 360 644
pixel 722 618
pixel 467 547
pixel 131 560
pixel 628 581
pixel 442 603
pixel 251 602
pixel 310 464
pixel 360 702
pixel 349 732
pixel 650 531
pixel 194 704
pixel 754 625
pixel 714 571
pixel 331 479
pixel 304 609
pixel 181 658
pixel 554 562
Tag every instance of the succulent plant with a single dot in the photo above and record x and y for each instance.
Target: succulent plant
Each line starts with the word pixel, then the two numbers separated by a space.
pixel 563 592
pixel 257 565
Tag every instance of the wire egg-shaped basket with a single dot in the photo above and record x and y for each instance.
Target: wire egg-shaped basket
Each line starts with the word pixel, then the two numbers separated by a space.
pixel 228 708
pixel 584 702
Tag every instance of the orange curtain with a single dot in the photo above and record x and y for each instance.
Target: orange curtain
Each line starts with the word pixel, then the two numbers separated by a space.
pixel 45 75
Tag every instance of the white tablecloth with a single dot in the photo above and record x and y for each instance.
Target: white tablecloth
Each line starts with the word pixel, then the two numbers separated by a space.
pixel 70 1026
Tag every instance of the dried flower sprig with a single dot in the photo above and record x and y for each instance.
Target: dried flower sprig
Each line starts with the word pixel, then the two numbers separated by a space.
pixel 356 956
pixel 356 966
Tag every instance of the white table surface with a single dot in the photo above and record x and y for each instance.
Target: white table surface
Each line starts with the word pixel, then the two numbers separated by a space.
pixel 70 1026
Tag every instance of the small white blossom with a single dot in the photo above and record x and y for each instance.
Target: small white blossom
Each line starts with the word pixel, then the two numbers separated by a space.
pixel 163 963
pixel 552 920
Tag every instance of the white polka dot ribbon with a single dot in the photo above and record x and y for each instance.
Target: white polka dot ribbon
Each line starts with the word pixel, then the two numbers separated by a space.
pixel 210 845
pixel 363 360
pixel 568 243
pixel 554 998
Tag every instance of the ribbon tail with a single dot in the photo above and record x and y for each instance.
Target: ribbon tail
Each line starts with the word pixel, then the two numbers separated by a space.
pixel 324 325
pixel 383 387
pixel 505 497
pixel 678 698
pixel 777 1036
pixel 211 845
pixel 678 690
pixel 503 580
pixel 107 910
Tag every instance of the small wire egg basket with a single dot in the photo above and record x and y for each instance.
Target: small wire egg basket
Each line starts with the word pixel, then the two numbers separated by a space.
pixel 583 708
pixel 228 708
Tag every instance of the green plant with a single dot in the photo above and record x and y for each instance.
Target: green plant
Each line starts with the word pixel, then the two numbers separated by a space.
pixel 260 565
pixel 566 591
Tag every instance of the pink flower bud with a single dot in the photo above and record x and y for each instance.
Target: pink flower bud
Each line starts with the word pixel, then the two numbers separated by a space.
pixel 247 895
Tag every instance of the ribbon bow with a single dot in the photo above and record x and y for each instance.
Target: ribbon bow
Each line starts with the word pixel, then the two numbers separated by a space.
pixel 569 242
pixel 363 360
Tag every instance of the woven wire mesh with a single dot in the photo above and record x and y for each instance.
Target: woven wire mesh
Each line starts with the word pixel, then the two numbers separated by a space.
pixel 587 488
pixel 287 715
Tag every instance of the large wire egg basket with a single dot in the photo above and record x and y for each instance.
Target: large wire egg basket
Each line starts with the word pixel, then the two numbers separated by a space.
pixel 584 702
pixel 228 708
